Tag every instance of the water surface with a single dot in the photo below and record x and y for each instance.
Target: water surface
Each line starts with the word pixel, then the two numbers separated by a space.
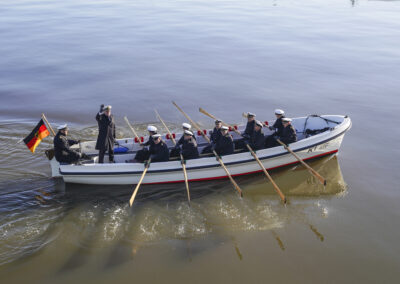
pixel 64 59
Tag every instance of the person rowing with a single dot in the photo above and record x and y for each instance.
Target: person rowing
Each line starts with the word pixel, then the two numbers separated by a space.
pixel 175 151
pixel 224 145
pixel 159 151
pixel 62 150
pixel 214 136
pixel 144 153
pixel 189 146
pixel 287 136
pixel 288 133
pixel 248 132
pixel 257 140
pixel 277 127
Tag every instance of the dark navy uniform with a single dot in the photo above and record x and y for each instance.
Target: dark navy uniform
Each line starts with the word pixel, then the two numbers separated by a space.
pixel 159 152
pixel 62 150
pixel 256 141
pixel 106 138
pixel 144 154
pixel 278 126
pixel 225 145
pixel 215 135
pixel 288 135
pixel 250 128
pixel 189 149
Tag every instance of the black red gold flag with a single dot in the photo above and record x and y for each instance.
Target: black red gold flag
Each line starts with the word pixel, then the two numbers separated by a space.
pixel 36 136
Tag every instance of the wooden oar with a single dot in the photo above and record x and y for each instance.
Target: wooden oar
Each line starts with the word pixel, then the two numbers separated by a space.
pixel 311 170
pixel 281 195
pixel 235 185
pixel 130 126
pixel 140 182
pixel 182 159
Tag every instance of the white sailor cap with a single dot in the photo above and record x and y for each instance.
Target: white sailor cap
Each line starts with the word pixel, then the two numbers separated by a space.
pixel 188 132
pixel 186 125
pixel 217 121
pixel 279 111
pixel 286 119
pixel 152 128
pixel 155 136
pixel 259 123
pixel 62 126
pixel 249 114
pixel 107 107
pixel 224 127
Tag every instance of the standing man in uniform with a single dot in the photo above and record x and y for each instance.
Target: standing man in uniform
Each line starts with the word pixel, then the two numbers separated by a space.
pixel 106 138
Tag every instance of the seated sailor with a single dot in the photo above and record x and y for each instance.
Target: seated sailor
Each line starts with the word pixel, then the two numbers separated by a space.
pixel 248 132
pixel 176 150
pixel 224 144
pixel 256 141
pixel 62 150
pixel 270 141
pixel 144 153
pixel 159 151
pixel 278 126
pixel 189 146
pixel 214 136
pixel 288 133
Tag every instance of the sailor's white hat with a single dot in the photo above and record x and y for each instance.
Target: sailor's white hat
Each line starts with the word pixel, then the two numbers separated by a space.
pixel 259 123
pixel 279 111
pixel 186 125
pixel 107 107
pixel 62 126
pixel 188 132
pixel 250 114
pixel 155 136
pixel 286 119
pixel 224 127
pixel 152 128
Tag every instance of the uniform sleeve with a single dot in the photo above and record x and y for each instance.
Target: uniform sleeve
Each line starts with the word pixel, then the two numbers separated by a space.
pixel 72 142
pixel 98 116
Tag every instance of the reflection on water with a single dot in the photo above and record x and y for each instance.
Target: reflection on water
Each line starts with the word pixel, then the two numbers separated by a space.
pixel 94 218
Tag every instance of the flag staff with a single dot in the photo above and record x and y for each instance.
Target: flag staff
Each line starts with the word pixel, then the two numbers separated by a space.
pixel 48 124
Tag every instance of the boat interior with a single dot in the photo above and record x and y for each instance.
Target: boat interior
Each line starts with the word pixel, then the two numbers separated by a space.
pixel 126 148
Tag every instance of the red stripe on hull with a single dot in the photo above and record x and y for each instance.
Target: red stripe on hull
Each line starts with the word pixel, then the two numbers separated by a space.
pixel 248 173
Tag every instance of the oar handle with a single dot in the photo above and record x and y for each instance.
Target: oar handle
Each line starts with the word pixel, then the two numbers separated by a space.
pixel 165 126
pixel 130 126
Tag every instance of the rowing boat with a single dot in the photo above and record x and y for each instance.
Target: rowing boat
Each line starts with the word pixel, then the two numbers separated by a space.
pixel 318 136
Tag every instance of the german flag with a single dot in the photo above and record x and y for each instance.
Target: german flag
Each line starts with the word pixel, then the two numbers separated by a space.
pixel 40 132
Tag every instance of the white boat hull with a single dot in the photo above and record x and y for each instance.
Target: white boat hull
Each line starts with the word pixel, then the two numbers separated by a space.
pixel 208 168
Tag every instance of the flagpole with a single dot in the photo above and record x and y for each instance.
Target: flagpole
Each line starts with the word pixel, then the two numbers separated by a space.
pixel 48 124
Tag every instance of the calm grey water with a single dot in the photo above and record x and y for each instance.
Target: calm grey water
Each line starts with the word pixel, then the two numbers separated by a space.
pixel 65 58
